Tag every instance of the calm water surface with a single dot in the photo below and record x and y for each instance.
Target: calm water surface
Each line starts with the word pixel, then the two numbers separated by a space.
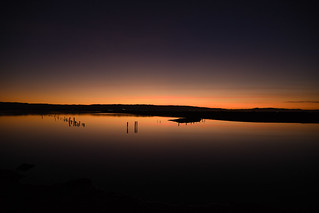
pixel 153 157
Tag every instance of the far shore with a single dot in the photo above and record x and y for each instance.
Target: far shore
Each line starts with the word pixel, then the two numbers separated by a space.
pixel 185 112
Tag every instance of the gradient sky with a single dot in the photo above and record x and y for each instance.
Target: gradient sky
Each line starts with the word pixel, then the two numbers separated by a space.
pixel 230 54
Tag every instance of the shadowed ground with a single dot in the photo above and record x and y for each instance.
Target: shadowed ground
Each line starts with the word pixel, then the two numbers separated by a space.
pixel 80 195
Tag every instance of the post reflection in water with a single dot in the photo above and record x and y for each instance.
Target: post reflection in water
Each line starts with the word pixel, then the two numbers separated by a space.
pixel 136 127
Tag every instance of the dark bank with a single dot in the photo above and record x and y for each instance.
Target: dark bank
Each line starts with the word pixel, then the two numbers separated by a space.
pixel 248 115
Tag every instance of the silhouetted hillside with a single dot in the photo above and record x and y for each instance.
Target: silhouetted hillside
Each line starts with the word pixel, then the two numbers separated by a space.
pixel 190 112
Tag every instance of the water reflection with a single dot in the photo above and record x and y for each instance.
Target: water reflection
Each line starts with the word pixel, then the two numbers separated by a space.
pixel 74 122
pixel 163 159
pixel 135 127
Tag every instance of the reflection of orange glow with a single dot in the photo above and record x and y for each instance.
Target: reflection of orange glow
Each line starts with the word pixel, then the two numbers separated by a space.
pixel 100 126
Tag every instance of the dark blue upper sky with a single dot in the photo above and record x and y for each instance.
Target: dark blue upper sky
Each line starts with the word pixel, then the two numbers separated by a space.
pixel 188 40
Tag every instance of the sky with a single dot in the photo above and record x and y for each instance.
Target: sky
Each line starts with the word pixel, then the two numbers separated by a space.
pixel 223 54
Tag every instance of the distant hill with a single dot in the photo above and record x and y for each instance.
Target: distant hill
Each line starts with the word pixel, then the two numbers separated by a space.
pixel 252 115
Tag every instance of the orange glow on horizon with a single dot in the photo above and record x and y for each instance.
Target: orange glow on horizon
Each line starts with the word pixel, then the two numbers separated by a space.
pixel 211 102
pixel 219 97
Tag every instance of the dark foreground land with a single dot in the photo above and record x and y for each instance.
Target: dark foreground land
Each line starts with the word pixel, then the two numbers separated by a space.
pixel 187 112
pixel 80 195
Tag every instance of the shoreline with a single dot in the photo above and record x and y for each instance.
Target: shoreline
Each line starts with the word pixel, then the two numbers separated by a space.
pixel 267 115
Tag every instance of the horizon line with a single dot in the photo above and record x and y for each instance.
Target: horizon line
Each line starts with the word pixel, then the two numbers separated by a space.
pixel 16 102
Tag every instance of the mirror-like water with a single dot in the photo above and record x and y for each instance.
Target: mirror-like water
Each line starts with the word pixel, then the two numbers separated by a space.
pixel 155 158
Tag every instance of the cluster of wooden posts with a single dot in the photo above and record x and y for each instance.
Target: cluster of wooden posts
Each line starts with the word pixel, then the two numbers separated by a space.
pixel 135 127
pixel 69 120
pixel 73 122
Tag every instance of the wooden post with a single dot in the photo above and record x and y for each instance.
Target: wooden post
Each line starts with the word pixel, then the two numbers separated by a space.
pixel 126 127
pixel 136 127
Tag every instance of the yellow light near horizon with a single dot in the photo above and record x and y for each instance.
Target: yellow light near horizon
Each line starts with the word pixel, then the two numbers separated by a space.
pixel 243 103
pixel 214 98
